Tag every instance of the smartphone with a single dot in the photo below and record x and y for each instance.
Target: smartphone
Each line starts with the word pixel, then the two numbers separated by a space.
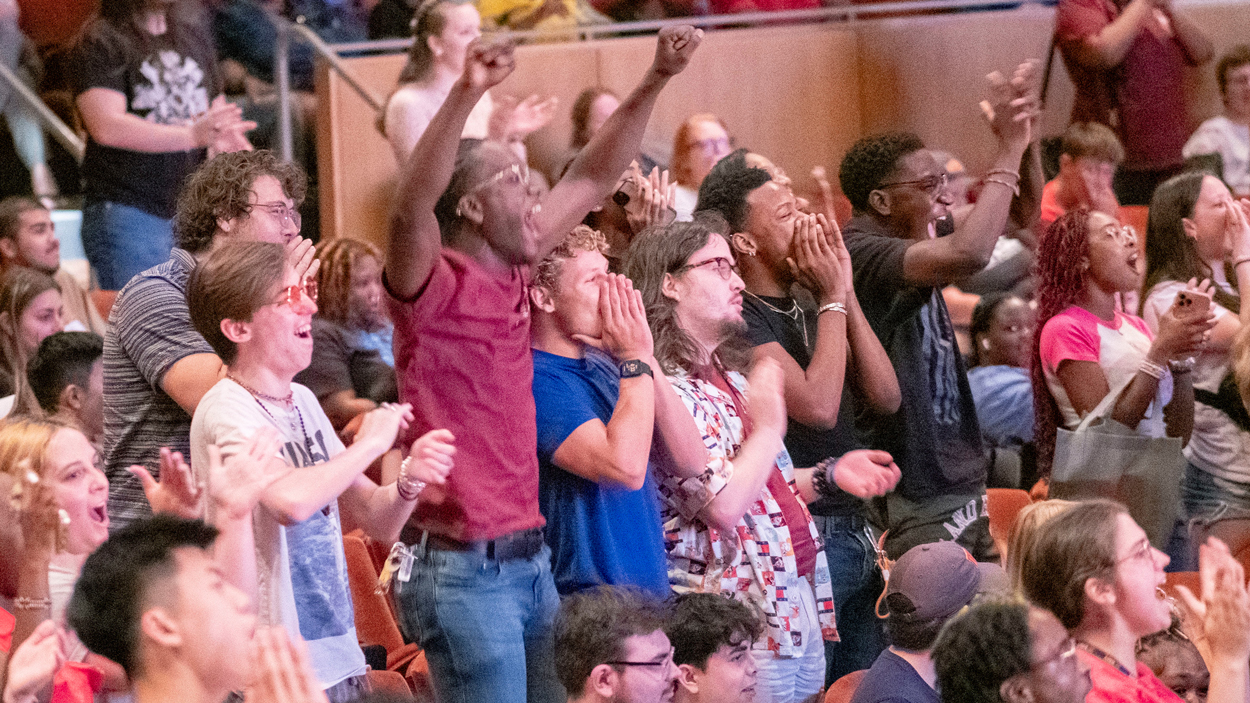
pixel 1193 303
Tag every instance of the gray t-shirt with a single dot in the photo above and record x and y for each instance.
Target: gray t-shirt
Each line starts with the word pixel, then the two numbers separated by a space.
pixel 149 331
pixel 301 569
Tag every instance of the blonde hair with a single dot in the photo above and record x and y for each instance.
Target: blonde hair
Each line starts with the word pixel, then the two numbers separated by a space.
pixel 1024 533
pixel 24 443
pixel 580 239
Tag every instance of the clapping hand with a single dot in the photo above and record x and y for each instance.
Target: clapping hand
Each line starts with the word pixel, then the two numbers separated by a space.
pixel 652 205
pixel 865 473
pixel 766 400
pixel 177 492
pixel 1224 608
pixel 237 483
pixel 34 662
pixel 383 424
pixel 1014 105
pixel 433 457
pixel 674 48
pixel 285 675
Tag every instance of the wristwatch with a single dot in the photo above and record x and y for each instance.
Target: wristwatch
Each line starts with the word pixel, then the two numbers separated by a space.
pixel 635 368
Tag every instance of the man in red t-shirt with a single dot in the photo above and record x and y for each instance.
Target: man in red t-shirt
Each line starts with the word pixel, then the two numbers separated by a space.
pixel 476 589
pixel 1127 60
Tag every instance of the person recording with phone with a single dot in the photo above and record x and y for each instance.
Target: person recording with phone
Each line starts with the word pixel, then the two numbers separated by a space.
pixel 1088 348
pixel 1198 231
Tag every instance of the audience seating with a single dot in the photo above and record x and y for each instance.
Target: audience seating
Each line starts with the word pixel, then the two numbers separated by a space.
pixel 1188 579
pixel 1003 504
pixel 842 690
pixel 389 683
pixel 375 623
pixel 103 301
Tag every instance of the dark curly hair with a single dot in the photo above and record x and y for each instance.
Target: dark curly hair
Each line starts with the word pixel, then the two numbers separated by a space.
pixel 980 649
pixel 726 187
pixel 871 161
pixel 704 622
pixel 591 628
pixel 220 190
pixel 1060 279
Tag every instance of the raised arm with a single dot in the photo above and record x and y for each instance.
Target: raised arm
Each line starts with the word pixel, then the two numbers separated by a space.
pixel 414 242
pixel 1106 49
pixel 617 452
pixel 1012 113
pixel 599 165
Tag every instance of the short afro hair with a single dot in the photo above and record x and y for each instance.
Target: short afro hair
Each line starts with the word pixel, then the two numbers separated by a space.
pixel 116 579
pixel 871 161
pixel 726 187
pixel 980 649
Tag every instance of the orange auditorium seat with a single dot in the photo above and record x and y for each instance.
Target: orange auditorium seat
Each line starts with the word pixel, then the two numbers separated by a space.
pixel 842 690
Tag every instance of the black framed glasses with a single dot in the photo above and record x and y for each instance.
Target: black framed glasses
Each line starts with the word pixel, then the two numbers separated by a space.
pixel 663 665
pixel 719 264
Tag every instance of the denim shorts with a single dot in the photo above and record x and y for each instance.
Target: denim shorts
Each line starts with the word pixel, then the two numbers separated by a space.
pixel 1210 499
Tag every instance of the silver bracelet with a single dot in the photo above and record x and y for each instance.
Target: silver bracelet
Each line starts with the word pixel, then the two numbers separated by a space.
pixel 835 307
pixel 27 603
pixel 1152 369
pixel 408 487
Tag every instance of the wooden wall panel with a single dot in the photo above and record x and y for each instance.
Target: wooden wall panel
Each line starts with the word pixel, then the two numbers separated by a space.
pixel 800 95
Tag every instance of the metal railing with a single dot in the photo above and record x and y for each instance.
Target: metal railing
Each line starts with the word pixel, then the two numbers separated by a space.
pixel 47 118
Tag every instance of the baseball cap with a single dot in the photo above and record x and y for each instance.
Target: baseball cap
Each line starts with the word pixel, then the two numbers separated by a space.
pixel 933 581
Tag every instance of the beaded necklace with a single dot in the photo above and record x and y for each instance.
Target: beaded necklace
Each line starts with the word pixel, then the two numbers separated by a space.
pixel 288 401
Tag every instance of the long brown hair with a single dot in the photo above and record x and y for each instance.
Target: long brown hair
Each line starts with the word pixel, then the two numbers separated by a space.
pixel 1073 547
pixel 1172 255
pixel 654 254
pixel 18 289
pixel 428 21
pixel 1060 279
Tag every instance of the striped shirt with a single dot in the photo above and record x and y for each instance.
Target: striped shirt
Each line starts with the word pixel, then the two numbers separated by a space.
pixel 150 330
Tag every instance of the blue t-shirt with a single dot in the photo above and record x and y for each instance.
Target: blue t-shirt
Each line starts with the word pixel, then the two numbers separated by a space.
pixel 598 534
pixel 892 680
pixel 1004 400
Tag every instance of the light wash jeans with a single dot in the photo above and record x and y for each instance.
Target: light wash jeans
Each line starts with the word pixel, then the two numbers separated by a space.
pixel 485 626
pixel 122 241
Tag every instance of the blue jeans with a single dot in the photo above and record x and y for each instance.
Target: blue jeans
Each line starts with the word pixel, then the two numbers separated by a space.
pixel 122 241
pixel 485 626
pixel 857 583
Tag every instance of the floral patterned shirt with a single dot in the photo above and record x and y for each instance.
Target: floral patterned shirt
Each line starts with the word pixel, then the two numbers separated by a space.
pixel 755 564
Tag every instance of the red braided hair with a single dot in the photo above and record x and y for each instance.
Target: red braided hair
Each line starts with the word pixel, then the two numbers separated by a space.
pixel 1060 280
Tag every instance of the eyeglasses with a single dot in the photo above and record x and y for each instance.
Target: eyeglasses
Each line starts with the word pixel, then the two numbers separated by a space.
pixel 279 211
pixel 516 174
pixel 720 264
pixel 929 184
pixel 1142 551
pixel 711 146
pixel 666 662
pixel 291 294
pixel 1065 653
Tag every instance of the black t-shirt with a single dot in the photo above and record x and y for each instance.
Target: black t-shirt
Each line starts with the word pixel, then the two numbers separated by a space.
pixel 807 445
pixel 934 437
pixel 167 79
pixel 338 364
